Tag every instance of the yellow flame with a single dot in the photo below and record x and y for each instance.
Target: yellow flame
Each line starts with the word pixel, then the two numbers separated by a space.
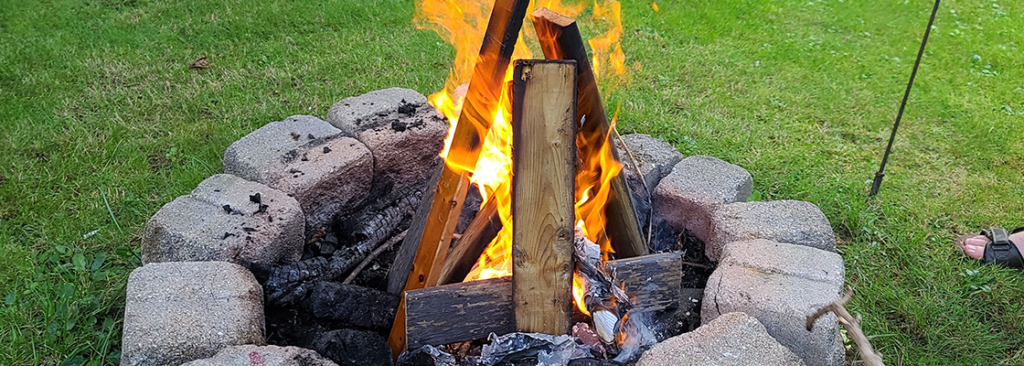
pixel 462 23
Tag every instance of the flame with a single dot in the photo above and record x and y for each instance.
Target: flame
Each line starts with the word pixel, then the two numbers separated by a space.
pixel 462 23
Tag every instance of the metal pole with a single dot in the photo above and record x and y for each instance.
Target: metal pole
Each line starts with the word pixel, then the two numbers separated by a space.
pixel 885 158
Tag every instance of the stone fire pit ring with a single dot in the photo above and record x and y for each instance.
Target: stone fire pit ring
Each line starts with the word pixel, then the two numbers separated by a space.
pixel 196 301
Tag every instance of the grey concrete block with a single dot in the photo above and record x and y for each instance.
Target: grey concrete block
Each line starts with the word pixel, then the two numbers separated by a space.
pixel 781 293
pixel 792 260
pixel 251 355
pixel 307 158
pixel 178 312
pixel 219 221
pixel 403 132
pixel 697 186
pixel 731 339
pixel 793 222
pixel 350 113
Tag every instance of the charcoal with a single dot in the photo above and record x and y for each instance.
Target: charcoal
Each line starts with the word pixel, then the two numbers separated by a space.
pixel 290 284
pixel 353 305
pixel 353 347
pixel 379 222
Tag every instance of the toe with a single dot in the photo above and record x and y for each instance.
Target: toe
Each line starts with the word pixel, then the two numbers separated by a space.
pixel 975 247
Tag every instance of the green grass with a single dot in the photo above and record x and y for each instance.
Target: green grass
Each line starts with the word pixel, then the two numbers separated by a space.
pixel 98 106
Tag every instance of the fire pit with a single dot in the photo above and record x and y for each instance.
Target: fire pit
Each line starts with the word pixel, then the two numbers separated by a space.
pixel 354 238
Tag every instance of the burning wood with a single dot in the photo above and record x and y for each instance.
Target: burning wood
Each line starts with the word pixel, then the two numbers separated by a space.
pixel 481 231
pixel 560 39
pixel 600 297
pixel 472 310
pixel 482 98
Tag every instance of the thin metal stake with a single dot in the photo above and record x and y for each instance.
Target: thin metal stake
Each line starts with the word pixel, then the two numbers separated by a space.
pixel 881 170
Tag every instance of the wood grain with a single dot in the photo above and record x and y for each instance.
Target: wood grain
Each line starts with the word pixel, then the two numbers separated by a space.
pixel 459 312
pixel 472 310
pixel 543 171
pixel 653 282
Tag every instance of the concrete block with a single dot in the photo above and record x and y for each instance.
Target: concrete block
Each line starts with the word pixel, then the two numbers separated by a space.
pixel 327 173
pixel 735 339
pixel 793 222
pixel 178 312
pixel 696 187
pixel 221 220
pixel 403 132
pixel 781 294
pixel 251 355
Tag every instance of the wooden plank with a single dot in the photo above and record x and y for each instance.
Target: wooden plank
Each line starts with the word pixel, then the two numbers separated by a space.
pixel 472 310
pixel 560 38
pixel 459 312
pixel 467 250
pixel 482 99
pixel 653 282
pixel 400 268
pixel 433 245
pixel 543 198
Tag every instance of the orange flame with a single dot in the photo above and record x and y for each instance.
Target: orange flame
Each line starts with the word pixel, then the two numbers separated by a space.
pixel 462 23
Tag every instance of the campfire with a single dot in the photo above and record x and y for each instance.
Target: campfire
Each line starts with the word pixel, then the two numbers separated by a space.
pixel 526 240
pixel 557 238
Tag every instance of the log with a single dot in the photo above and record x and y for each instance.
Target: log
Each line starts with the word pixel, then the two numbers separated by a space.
pixel 459 312
pixel 467 250
pixel 560 38
pixel 657 271
pixel 472 310
pixel 482 99
pixel 433 245
pixel 543 196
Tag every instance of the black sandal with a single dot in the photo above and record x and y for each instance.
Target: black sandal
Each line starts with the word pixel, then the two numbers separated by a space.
pixel 1000 250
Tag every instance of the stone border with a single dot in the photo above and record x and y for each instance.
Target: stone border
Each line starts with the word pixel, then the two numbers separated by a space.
pixel 777 260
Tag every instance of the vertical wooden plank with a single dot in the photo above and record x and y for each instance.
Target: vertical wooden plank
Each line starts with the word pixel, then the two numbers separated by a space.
pixel 543 171
pixel 560 38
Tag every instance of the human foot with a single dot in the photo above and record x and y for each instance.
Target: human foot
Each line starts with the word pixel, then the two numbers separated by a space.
pixel 974 246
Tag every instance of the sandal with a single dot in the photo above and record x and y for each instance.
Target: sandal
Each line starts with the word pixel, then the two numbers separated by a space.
pixel 1000 250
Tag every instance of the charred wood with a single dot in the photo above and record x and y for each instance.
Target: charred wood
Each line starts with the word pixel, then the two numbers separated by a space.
pixel 352 305
pixel 472 310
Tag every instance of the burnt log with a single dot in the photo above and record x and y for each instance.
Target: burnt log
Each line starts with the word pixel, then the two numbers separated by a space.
pixel 290 284
pixel 352 305
pixel 353 347
pixel 472 310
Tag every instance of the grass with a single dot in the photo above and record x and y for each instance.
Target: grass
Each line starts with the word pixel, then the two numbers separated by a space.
pixel 103 123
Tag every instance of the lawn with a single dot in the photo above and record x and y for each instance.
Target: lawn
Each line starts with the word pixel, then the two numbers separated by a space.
pixel 102 123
